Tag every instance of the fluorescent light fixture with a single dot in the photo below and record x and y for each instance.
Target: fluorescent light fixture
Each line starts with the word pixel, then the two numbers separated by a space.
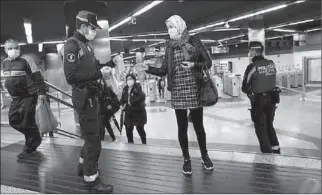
pixel 226 29
pixel 147 8
pixel 115 39
pixel 284 30
pixel 208 40
pixel 292 23
pixel 128 57
pixel 29 39
pixel 119 24
pixel 279 37
pixel 120 37
pixel 314 29
pixel 144 40
pixel 155 34
pixel 154 44
pixel 297 2
pixel 208 26
pixel 28 30
pixel 103 23
pixel 59 46
pixel 144 9
pixel 135 49
pixel 258 13
pixel 53 42
pixel 40 47
pixel 22 44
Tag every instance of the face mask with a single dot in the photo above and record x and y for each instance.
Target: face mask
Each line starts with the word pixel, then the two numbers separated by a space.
pixel 91 34
pixel 173 33
pixel 13 53
pixel 130 83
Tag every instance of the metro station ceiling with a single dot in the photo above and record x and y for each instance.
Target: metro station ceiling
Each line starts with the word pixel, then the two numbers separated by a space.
pixel 49 18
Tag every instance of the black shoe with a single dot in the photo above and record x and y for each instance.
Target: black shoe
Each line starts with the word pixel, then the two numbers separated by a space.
pixel 80 171
pixel 100 188
pixel 26 154
pixel 278 151
pixel 207 163
pixel 186 169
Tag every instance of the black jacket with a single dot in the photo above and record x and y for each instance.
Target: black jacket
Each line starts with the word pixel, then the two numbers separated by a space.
pixel 168 66
pixel 135 114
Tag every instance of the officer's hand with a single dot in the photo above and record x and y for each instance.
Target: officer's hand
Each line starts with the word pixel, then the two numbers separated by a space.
pixel 105 70
pixel 41 98
pixel 117 59
pixel 142 67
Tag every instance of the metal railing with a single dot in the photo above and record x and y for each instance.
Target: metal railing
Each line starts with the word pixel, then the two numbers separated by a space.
pixel 60 131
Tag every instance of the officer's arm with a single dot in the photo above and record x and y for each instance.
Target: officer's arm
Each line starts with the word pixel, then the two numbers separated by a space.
pixel 71 63
pixel 250 70
pixel 36 75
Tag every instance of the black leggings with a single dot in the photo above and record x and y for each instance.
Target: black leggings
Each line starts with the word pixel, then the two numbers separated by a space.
pixel 129 133
pixel 197 121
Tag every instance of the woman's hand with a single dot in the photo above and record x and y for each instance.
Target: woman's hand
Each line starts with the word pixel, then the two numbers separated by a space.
pixel 187 64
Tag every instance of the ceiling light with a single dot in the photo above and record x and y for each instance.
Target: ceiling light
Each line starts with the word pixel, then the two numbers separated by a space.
pixel 128 57
pixel 258 13
pixel 135 49
pixel 283 30
pixel 301 1
pixel 40 47
pixel 226 29
pixel 53 42
pixel 116 39
pixel 147 35
pixel 28 29
pixel 229 38
pixel 279 37
pixel 156 43
pixel 208 40
pixel 103 23
pixel 144 9
pixel 291 24
pixel 147 8
pixel 208 26
pixel 314 29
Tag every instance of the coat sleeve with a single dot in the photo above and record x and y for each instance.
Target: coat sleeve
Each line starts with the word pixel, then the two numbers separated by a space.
pixel 71 63
pixel 138 95
pixel 163 70
pixel 123 98
pixel 36 75
pixel 249 72
pixel 205 58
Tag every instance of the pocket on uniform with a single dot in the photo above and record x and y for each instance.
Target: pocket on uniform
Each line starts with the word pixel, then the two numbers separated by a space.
pixel 79 98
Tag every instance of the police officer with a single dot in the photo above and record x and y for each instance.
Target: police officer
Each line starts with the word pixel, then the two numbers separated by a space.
pixel 259 84
pixel 25 84
pixel 82 72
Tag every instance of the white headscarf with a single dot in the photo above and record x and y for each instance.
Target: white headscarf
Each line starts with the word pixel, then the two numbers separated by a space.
pixel 178 22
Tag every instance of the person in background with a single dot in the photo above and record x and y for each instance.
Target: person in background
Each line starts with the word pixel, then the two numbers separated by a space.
pixel 185 56
pixel 161 86
pixel 51 133
pixel 133 102
pixel 25 84
pixel 259 84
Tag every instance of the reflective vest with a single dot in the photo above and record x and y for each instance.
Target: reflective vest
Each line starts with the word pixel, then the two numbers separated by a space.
pixel 264 78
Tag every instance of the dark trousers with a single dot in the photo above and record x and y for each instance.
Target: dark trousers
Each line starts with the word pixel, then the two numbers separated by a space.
pixel 107 125
pixel 141 132
pixel 21 116
pixel 197 121
pixel 161 92
pixel 90 124
pixel 264 110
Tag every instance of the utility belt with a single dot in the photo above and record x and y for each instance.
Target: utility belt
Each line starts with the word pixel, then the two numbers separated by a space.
pixel 274 94
pixel 83 96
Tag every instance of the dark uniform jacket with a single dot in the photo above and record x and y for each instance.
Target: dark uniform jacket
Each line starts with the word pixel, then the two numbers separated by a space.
pixel 22 77
pixel 260 76
pixel 135 114
pixel 80 66
pixel 168 67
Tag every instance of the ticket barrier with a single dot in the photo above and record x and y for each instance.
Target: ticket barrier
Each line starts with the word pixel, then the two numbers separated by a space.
pixel 225 83
pixel 293 78
pixel 152 90
pixel 299 77
pixel 233 89
pixel 286 80
pixel 219 86
pixel 279 79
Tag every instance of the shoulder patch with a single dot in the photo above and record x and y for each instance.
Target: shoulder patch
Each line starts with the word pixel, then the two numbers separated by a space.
pixel 71 57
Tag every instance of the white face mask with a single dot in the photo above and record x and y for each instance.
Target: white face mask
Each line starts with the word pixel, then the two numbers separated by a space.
pixel 130 83
pixel 91 34
pixel 13 53
pixel 173 33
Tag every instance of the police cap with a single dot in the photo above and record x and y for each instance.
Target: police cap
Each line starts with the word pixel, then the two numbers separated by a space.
pixel 256 45
pixel 88 18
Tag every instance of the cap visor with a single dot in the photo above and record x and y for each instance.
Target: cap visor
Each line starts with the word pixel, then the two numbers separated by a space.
pixel 96 26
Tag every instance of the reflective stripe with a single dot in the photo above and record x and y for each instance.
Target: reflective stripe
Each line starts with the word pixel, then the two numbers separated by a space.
pixel 275 147
pixel 13 73
pixel 91 178
pixel 81 160
pixel 250 74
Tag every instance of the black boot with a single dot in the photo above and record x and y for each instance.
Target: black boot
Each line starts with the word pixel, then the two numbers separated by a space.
pixel 98 187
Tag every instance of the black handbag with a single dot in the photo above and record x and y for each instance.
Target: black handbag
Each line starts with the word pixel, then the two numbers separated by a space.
pixel 111 103
pixel 208 89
